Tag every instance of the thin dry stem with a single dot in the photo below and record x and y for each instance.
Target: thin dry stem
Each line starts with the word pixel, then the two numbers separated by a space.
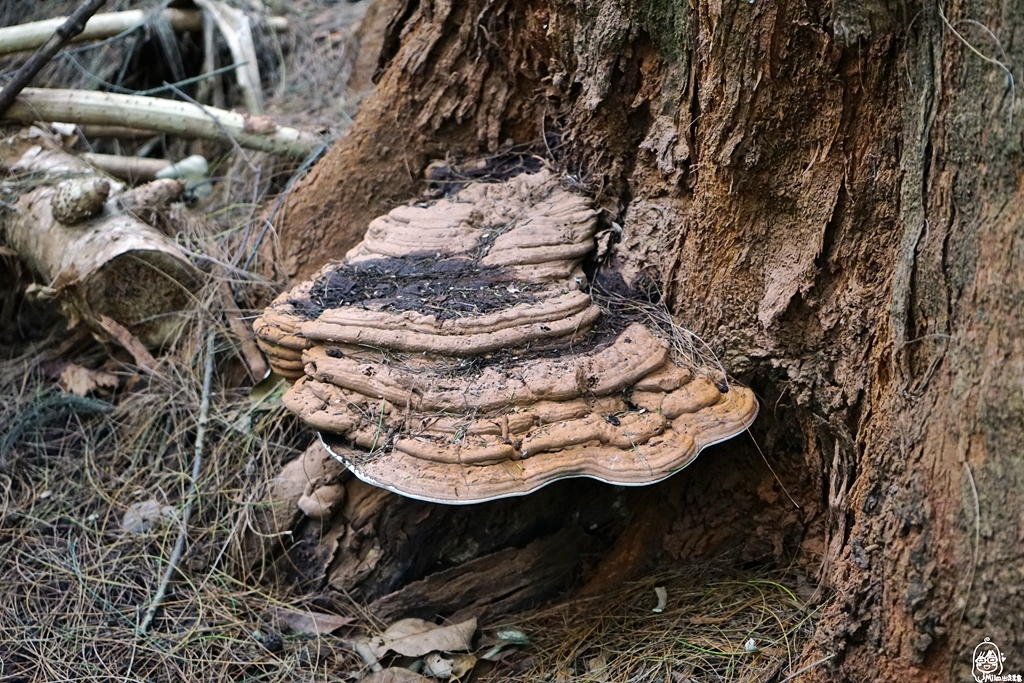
pixel 197 463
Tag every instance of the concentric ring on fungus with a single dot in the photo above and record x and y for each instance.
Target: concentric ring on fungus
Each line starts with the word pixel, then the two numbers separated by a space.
pixel 455 356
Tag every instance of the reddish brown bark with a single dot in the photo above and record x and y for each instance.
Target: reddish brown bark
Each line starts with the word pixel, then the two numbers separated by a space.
pixel 831 197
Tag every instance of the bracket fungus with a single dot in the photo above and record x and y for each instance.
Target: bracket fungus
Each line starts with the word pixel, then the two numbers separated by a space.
pixel 457 355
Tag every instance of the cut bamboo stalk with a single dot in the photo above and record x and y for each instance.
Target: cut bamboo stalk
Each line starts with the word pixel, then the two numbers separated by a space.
pixel 31 36
pixel 177 118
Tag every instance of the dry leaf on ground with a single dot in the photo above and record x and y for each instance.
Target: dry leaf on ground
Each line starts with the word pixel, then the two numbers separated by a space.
pixel 144 516
pixel 82 381
pixel 311 623
pixel 416 637
pixel 395 675
pixel 455 666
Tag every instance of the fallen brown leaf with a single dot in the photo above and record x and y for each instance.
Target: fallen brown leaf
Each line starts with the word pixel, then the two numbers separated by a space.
pixel 310 623
pixel 79 380
pixel 395 675
pixel 416 637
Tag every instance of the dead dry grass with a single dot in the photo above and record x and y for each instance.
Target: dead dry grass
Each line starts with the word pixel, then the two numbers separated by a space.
pixel 76 584
pixel 704 633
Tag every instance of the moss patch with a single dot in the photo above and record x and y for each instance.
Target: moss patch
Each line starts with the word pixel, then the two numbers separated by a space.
pixel 667 22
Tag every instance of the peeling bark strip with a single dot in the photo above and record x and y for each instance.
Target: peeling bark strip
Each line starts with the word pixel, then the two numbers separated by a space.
pixel 108 264
pixel 455 348
pixel 177 118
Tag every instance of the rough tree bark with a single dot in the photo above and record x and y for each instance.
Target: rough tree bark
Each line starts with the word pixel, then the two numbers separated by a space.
pixel 832 195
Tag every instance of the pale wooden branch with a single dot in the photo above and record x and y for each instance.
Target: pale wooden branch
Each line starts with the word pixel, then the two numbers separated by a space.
pixel 177 118
pixel 30 36
pixel 133 169
pixel 235 27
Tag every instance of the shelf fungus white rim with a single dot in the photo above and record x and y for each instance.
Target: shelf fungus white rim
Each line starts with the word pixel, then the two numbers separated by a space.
pixel 341 453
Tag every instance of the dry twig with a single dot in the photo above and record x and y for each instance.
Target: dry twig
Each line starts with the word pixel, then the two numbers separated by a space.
pixel 176 118
pixel 30 36
pixel 197 462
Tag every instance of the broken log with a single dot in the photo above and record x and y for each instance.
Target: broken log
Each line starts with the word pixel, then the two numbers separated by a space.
pixel 68 225
pixel 413 558
pixel 184 119
pixel 30 36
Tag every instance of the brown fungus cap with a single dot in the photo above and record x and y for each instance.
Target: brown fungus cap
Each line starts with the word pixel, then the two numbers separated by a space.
pixel 456 356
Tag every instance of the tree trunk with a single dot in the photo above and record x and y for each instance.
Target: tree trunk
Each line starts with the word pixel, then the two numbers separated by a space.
pixel 833 198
